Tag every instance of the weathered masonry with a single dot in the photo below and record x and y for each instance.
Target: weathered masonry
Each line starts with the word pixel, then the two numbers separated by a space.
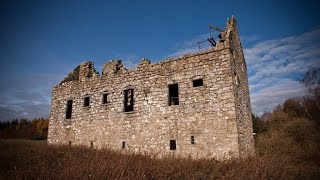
pixel 196 105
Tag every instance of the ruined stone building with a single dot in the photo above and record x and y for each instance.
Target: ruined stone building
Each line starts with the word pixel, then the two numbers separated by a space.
pixel 195 105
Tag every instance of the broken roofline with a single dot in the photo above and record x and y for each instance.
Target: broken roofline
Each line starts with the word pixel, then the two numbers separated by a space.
pixel 87 70
pixel 74 75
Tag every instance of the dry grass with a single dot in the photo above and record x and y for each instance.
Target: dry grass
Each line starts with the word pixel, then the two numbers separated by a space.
pixel 289 148
pixel 23 160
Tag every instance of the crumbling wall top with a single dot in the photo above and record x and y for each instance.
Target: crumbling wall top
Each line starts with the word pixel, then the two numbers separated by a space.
pixel 82 72
pixel 115 67
pixel 112 68
pixel 144 62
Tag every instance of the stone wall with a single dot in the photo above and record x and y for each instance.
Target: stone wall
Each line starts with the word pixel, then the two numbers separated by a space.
pixel 169 114
pixel 241 92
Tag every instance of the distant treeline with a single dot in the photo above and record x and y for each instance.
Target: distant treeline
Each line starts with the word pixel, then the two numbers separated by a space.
pixel 307 107
pixel 36 129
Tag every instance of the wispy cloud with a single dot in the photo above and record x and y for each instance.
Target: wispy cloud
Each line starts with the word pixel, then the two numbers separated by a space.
pixel 27 97
pixel 30 96
pixel 275 67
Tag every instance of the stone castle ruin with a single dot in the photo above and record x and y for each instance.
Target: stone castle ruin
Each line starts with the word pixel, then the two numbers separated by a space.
pixel 195 105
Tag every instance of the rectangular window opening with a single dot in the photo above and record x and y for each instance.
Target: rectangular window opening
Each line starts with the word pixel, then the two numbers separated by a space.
pixel 70 143
pixel 173 94
pixel 104 98
pixel 91 144
pixel 128 100
pixel 192 139
pixel 69 109
pixel 123 144
pixel 197 82
pixel 86 101
pixel 173 145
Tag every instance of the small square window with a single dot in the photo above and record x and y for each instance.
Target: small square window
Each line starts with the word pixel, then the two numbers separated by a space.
pixel 86 101
pixel 197 82
pixel 173 145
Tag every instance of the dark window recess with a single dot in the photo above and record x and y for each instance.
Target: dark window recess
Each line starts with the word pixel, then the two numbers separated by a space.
pixel 173 145
pixel 117 69
pixel 89 73
pixel 128 100
pixel 173 94
pixel 192 139
pixel 197 82
pixel 86 101
pixel 123 144
pixel 70 143
pixel 69 109
pixel 91 144
pixel 104 98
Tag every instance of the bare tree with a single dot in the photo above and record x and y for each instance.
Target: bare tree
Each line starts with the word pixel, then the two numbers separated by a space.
pixel 311 82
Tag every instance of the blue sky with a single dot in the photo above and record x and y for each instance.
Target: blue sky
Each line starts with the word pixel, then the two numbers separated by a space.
pixel 42 41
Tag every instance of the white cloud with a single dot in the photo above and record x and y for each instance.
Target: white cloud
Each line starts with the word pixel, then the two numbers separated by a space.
pixel 275 67
pixel 268 96
pixel 27 97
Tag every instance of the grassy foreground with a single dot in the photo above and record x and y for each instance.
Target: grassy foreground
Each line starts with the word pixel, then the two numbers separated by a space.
pixel 29 160
pixel 36 160
pixel 287 147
